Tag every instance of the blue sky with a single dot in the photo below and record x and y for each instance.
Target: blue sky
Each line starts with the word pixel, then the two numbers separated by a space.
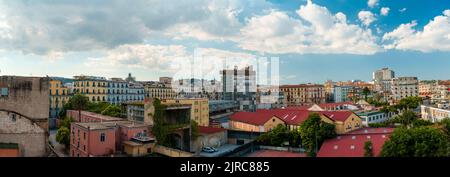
pixel 314 40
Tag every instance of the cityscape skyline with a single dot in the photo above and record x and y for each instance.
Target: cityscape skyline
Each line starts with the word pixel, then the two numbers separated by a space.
pixel 409 38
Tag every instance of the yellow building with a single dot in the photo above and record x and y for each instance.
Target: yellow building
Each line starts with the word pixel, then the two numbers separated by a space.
pixel 254 122
pixel 199 108
pixel 344 121
pixel 94 88
pixel 59 95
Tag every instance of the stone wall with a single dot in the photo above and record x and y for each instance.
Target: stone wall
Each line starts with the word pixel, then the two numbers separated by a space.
pixel 24 113
pixel 30 137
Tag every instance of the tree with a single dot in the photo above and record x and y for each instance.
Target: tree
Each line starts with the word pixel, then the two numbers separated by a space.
pixel 365 92
pixel 295 138
pixel 160 130
pixel 65 122
pixel 416 142
pixel 421 122
pixel 445 123
pixel 194 130
pixel 368 149
pixel 63 136
pixel 79 102
pixel 409 103
pixel 112 110
pixel 313 132
pixel 275 137
pixel 407 118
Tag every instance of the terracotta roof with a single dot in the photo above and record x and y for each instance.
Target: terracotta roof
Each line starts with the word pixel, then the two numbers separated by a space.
pixel 352 145
pixel 254 118
pixel 291 117
pixel 209 130
pixel 336 115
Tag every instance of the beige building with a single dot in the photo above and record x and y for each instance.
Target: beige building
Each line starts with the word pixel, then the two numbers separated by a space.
pixel 160 92
pixel 199 108
pixel 435 113
pixel 254 122
pixel 304 94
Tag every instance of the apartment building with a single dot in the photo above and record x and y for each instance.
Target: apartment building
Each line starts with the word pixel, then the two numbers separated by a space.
pixel 403 87
pixel 304 94
pixel 199 108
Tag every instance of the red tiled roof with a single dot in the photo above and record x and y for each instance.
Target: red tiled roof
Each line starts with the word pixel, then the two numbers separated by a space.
pixel 352 145
pixel 337 115
pixel 254 118
pixel 209 130
pixel 291 117
pixel 372 131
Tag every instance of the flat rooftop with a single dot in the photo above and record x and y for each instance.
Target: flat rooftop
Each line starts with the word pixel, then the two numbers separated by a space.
pixel 109 125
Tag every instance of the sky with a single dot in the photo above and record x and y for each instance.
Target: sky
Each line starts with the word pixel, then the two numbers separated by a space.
pixel 314 40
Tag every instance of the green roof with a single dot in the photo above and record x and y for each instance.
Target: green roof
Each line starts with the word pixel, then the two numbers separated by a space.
pixel 9 146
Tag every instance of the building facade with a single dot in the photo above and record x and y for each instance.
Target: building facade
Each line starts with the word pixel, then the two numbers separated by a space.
pixel 199 108
pixel 304 94
pixel 369 117
pixel 24 114
pixel 160 92
pixel 382 79
pixel 435 113
pixel 60 93
pixel 341 93
pixel 403 87
pixel 240 85
pixel 95 88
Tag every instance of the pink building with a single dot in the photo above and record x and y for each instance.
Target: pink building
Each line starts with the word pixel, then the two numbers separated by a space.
pixel 88 139
pixel 90 117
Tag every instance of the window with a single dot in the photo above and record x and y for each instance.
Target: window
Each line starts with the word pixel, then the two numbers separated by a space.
pixel 4 91
pixel 13 117
pixel 84 135
pixel 102 137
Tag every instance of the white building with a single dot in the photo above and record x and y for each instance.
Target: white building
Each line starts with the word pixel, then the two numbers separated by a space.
pixel 374 117
pixel 403 87
pixel 340 93
pixel 435 113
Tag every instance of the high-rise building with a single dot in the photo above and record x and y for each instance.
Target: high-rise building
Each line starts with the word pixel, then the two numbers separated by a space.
pixel 382 79
pixel 240 85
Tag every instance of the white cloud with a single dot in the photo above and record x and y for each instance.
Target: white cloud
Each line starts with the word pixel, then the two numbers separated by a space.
pixel 384 11
pixel 174 59
pixel 91 25
pixel 366 17
pixel 435 35
pixel 372 3
pixel 402 10
pixel 316 31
